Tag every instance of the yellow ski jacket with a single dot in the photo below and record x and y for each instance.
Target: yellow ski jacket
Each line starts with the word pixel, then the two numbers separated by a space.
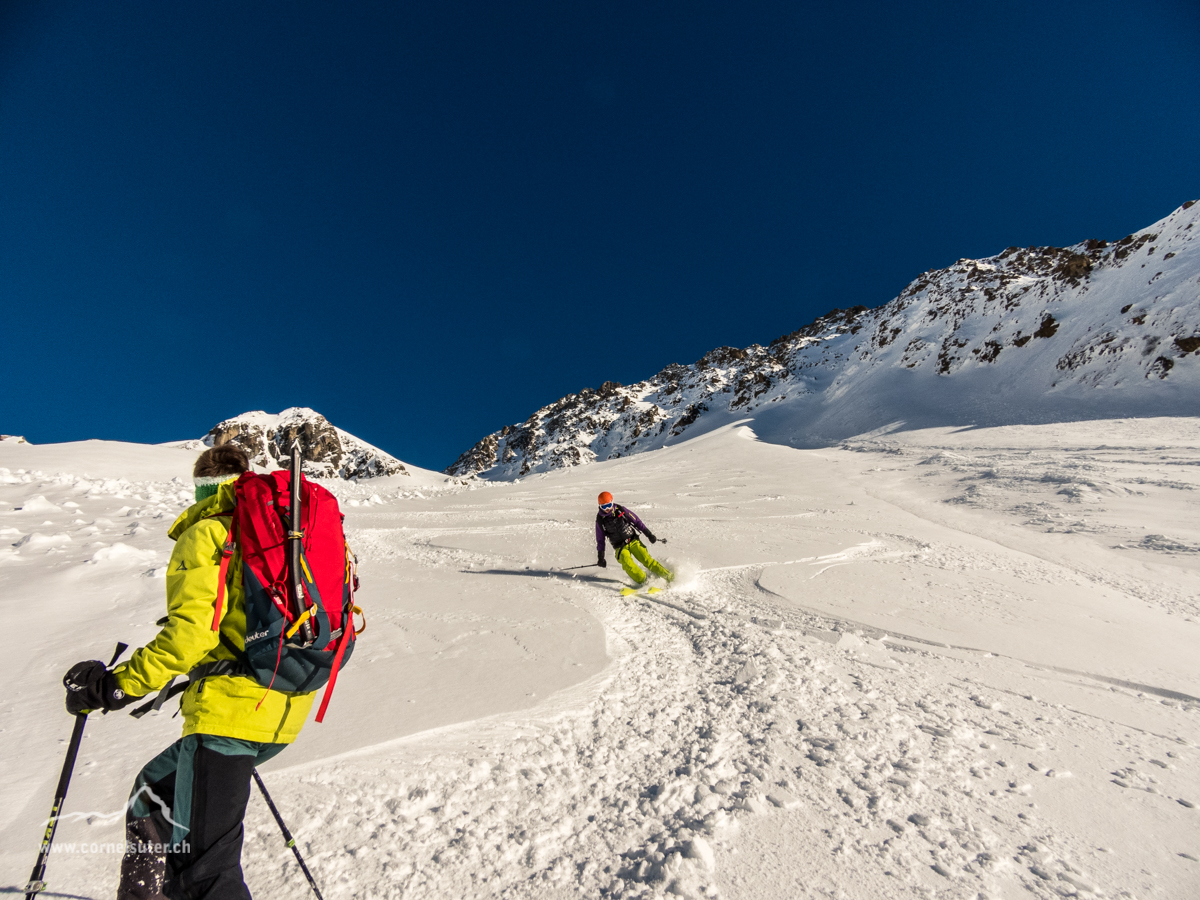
pixel 225 705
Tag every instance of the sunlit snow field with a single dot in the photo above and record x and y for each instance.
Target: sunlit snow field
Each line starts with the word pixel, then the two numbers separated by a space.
pixel 942 663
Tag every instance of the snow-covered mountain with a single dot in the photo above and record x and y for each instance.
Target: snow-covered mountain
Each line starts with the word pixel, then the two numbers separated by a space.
pixel 327 450
pixel 1037 334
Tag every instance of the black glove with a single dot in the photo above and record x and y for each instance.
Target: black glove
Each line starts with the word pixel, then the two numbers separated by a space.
pixel 602 562
pixel 91 686
pixel 652 538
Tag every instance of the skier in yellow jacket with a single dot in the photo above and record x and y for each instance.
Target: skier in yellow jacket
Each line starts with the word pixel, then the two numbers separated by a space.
pixel 184 822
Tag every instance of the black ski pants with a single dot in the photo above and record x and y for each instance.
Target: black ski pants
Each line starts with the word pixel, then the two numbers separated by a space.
pixel 184 822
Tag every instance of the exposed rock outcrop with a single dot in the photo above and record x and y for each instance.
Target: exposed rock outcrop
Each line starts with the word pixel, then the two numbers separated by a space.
pixel 1032 334
pixel 327 451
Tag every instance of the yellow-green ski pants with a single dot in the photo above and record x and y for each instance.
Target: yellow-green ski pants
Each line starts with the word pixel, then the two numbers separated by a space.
pixel 637 550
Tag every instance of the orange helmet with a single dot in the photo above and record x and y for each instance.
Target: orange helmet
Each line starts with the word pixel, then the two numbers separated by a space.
pixel 605 497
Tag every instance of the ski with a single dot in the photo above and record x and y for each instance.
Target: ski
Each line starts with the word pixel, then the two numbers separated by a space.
pixel 650 595
pixel 628 591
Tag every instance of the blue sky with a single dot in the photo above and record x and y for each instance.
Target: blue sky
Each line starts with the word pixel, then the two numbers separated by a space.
pixel 427 220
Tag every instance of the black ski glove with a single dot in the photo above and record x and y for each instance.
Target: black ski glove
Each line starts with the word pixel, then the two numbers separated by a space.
pixel 91 686
pixel 652 538
pixel 602 562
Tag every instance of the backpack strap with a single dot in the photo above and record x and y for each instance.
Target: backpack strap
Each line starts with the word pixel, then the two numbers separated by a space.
pixel 238 666
pixel 206 670
pixel 226 556
pixel 348 633
pixel 240 655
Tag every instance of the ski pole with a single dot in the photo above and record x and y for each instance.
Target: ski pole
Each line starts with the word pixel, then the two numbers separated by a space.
pixel 37 883
pixel 287 835
pixel 571 568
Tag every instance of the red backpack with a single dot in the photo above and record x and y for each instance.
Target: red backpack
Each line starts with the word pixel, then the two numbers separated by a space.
pixel 275 653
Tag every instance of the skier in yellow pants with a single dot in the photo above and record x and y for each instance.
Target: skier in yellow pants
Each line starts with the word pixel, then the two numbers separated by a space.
pixel 621 527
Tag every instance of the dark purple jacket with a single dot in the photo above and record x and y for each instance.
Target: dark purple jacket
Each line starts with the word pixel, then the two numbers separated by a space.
pixel 621 527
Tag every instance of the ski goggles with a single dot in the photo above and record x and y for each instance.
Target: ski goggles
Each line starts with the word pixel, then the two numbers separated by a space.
pixel 607 507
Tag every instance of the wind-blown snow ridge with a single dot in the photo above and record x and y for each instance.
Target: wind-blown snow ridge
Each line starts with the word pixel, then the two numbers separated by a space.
pixel 1030 335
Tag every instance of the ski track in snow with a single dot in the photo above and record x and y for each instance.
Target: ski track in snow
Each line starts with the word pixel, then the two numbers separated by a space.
pixel 623 787
pixel 1077 490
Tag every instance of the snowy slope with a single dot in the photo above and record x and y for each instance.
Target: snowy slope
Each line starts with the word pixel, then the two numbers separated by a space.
pixel 327 451
pixel 1032 335
pixel 937 663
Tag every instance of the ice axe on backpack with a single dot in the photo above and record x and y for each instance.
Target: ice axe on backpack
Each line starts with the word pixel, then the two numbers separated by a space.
pixel 295 536
pixel 36 883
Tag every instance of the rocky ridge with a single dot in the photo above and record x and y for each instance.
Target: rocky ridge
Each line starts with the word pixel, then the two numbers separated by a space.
pixel 1032 334
pixel 327 451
